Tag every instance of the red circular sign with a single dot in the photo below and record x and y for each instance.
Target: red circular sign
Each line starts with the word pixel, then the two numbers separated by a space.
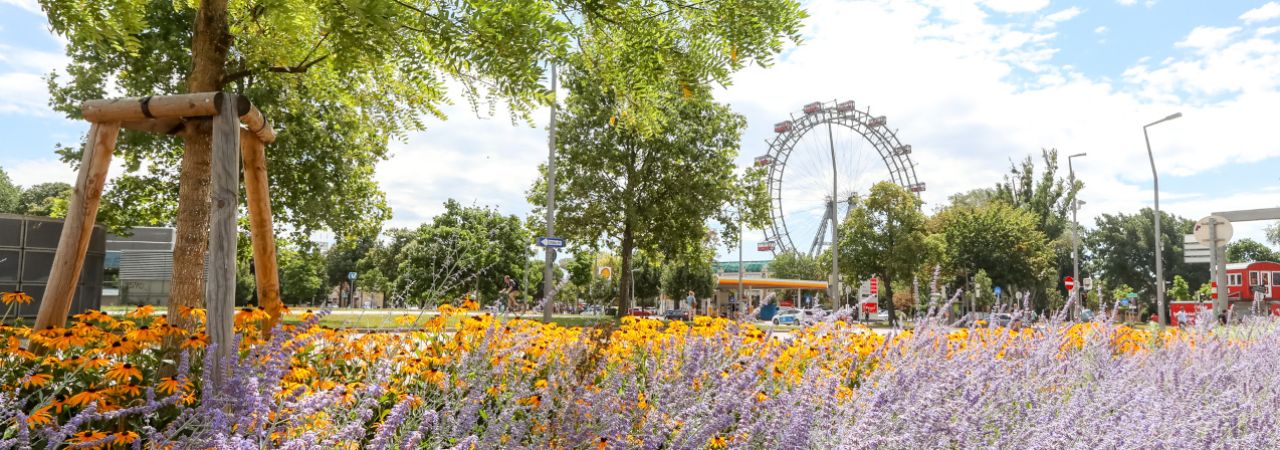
pixel 1069 282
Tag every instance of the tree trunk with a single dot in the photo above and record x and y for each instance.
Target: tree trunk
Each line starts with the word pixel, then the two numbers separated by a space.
pixel 209 46
pixel 888 289
pixel 625 279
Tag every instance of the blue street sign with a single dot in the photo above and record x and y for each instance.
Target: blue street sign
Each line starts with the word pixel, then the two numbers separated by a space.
pixel 351 275
pixel 553 242
pixel 997 291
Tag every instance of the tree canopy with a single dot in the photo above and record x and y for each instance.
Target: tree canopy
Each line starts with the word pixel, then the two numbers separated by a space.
pixel 883 235
pixel 620 187
pixel 1249 250
pixel 997 238
pixel 798 266
pixel 10 194
pixel 1122 250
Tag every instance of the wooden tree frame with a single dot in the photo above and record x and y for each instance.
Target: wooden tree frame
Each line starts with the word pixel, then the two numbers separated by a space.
pixel 166 115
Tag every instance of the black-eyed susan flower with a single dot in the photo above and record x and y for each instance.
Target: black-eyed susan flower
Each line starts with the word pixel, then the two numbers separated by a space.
pixel 18 297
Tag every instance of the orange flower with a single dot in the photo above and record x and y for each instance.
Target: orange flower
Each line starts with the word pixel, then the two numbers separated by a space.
pixel 248 315
pixel 19 297
pixel 119 347
pixel 124 437
pixel 141 312
pixel 124 372
pixel 40 417
pixel 37 380
pixel 85 397
pixel 187 312
pixel 169 385
pixel 198 340
pixel 66 340
pixel 85 437
pixel 604 443
pixel 143 334
pixel 95 363
pixel 130 389
pixel 15 348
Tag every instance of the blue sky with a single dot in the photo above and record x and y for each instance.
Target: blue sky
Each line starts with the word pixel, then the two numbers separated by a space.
pixel 970 84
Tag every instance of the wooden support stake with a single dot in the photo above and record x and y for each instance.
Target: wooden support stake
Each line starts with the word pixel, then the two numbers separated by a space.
pixel 220 288
pixel 77 229
pixel 131 109
pixel 258 125
pixel 254 156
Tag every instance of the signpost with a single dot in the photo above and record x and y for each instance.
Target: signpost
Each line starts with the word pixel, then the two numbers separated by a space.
pixel 875 287
pixel 1088 283
pixel 1069 283
pixel 550 242
pixel 1214 232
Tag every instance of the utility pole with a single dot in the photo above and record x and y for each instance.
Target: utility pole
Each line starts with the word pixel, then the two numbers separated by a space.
pixel 548 272
pixel 1075 235
pixel 1155 180
pixel 741 232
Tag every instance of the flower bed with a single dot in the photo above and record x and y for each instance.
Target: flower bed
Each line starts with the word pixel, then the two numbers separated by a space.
pixel 104 382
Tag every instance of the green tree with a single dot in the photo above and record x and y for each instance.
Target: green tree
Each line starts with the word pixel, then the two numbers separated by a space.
pixel 45 199
pixel 1273 233
pixel 341 259
pixel 1180 291
pixel 302 275
pixel 462 249
pixel 1122 250
pixel 692 273
pixel 341 78
pixel 1205 291
pixel 883 235
pixel 9 194
pixel 536 269
pixel 983 295
pixel 798 266
pixel 1046 196
pixel 974 198
pixel 996 238
pixel 1249 250
pixel 651 192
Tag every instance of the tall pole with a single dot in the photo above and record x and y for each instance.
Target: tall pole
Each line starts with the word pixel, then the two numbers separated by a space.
pixel 548 272
pixel 1155 182
pixel 740 268
pixel 835 225
pixel 1075 234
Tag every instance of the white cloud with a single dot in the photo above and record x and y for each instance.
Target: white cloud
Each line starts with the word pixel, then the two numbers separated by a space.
pixel 1206 39
pixel 1100 30
pixel 1263 13
pixel 22 90
pixel 1127 2
pixel 28 5
pixel 1016 6
pixel 1054 19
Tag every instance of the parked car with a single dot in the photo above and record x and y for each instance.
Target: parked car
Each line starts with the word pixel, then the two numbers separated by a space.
pixel 792 316
pixel 676 314
pixel 640 312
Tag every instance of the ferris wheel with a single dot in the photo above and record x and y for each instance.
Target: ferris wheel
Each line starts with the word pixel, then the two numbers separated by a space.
pixel 818 162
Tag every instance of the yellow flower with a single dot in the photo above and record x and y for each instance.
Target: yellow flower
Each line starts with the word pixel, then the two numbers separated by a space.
pixel 18 297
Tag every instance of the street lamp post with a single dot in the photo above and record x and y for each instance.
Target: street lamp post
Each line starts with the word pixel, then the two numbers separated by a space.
pixel 1075 233
pixel 548 272
pixel 1155 182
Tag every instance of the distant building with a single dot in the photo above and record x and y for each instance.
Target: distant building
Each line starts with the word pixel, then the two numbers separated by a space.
pixel 143 264
pixel 27 248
